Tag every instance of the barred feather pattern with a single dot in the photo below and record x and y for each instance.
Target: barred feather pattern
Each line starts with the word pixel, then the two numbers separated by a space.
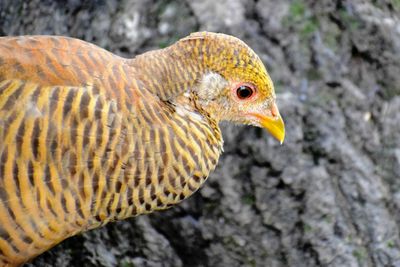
pixel 83 142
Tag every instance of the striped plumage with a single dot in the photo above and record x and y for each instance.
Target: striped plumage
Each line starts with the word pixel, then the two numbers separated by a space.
pixel 87 137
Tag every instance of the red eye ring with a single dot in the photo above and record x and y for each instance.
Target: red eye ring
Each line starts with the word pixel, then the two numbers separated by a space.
pixel 244 92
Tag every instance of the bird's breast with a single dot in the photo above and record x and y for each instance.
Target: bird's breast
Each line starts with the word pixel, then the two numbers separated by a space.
pixel 170 158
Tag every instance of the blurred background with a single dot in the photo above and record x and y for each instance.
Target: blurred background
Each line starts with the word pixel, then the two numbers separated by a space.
pixel 330 196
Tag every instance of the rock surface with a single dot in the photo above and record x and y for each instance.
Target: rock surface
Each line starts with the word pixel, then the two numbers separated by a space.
pixel 330 196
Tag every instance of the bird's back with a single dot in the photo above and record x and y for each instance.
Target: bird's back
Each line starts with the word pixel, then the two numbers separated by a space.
pixel 55 60
pixel 54 108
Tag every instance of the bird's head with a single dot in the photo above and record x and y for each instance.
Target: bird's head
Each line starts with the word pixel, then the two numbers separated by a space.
pixel 234 84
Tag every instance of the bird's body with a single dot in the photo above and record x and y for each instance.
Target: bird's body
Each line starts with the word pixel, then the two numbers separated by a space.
pixel 87 137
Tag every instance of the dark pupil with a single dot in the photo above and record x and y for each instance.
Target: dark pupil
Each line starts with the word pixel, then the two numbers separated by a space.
pixel 244 92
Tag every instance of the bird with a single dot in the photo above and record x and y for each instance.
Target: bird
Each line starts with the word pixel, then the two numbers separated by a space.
pixel 88 137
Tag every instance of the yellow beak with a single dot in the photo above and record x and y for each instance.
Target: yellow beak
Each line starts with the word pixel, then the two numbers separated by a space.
pixel 272 121
pixel 275 126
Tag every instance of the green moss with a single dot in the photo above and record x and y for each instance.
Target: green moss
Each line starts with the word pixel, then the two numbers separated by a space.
pixel 313 74
pixel 349 20
pixel 390 244
pixel 249 199
pixel 349 238
pixel 307 228
pixel 308 28
pixel 360 254
pixel 296 14
pixel 297 9
pixel 328 219
pixel 396 4
pixel 301 20
pixel 251 262
pixel 330 39
pixel 127 264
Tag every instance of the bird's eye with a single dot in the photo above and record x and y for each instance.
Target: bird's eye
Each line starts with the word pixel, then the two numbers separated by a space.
pixel 244 92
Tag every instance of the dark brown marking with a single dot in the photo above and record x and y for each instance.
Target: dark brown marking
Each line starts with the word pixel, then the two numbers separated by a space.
pixel 31 173
pixel 79 208
pixel 64 203
pixel 64 183
pixel 191 187
pixel 95 182
pixel 84 105
pixel 11 100
pixel 20 137
pixel 95 90
pixel 130 202
pixel 147 180
pixel 52 67
pixel 136 178
pixel 55 97
pixel 38 196
pixel 27 239
pixel 3 195
pixel 141 196
pixel 35 139
pixel 50 207
pixel 134 210
pixel 11 212
pixel 197 178
pixel 18 67
pixel 68 102
pixel 47 180
pixel 118 186
pixel 182 180
pixel 35 228
pixel 4 235
pixel 35 95
pixel 10 119
pixel 81 182
pixel 191 150
pixel 53 147
pixel 5 86
pixel 99 134
pixel 166 192
pixel 86 135
pixel 172 180
pixel 153 195
pixel 16 179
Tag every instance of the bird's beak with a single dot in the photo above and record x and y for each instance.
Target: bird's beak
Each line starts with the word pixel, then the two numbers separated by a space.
pixel 275 126
pixel 272 121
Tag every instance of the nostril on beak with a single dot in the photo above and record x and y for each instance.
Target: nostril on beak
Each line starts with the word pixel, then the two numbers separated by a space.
pixel 274 110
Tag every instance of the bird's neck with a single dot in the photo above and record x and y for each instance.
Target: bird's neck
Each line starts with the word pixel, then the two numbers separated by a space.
pixel 169 72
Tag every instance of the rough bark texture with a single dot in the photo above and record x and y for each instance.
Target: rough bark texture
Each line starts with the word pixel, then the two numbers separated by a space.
pixel 330 196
